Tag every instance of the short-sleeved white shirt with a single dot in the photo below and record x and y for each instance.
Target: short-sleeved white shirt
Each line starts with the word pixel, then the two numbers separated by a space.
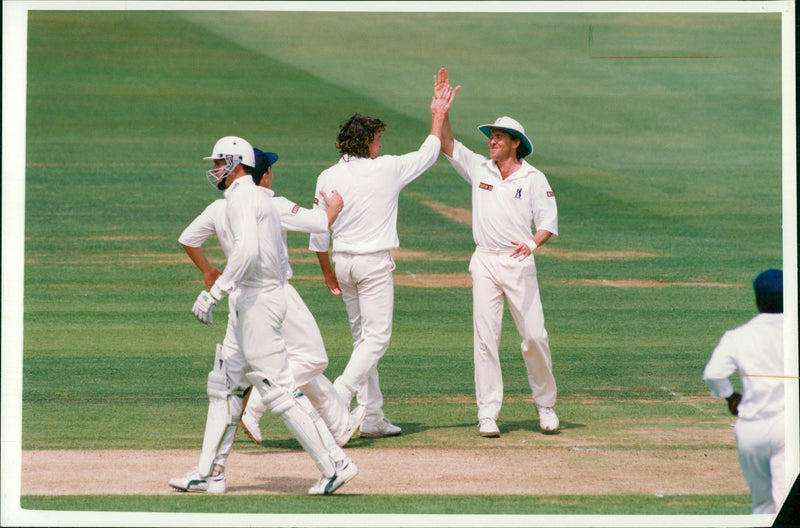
pixel 292 218
pixel 755 350
pixel 504 210
pixel 370 189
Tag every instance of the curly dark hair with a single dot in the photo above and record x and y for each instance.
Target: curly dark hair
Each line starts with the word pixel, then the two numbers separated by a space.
pixel 357 133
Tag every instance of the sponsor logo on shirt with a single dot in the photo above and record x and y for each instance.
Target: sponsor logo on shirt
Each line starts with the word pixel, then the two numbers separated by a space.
pixel 295 209
pixel 485 186
pixel 518 194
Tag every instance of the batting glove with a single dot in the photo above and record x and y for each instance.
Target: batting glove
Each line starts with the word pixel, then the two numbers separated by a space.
pixel 203 308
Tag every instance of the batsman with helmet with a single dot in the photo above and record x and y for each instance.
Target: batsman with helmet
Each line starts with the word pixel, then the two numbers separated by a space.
pixel 304 344
pixel 253 351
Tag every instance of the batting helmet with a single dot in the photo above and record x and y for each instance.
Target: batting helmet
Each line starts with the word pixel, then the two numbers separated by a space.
pixel 234 150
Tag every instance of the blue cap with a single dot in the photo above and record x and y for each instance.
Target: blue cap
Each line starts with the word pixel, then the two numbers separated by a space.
pixel 768 287
pixel 264 160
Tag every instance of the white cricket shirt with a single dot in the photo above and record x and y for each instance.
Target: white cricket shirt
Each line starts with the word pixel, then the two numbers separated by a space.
pixel 755 350
pixel 504 210
pixel 256 258
pixel 370 189
pixel 292 218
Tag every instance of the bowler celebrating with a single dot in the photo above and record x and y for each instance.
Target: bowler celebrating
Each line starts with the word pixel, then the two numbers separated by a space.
pixel 362 238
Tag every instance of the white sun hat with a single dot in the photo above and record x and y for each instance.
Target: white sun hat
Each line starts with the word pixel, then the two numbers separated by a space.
pixel 513 127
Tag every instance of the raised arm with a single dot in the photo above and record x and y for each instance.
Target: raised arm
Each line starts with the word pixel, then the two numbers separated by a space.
pixel 443 95
pixel 441 82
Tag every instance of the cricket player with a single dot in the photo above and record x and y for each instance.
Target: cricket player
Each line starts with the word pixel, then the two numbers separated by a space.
pixel 363 236
pixel 755 350
pixel 304 344
pixel 508 197
pixel 254 352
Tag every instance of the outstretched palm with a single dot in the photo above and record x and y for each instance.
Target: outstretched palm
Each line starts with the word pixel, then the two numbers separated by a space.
pixel 443 93
pixel 440 81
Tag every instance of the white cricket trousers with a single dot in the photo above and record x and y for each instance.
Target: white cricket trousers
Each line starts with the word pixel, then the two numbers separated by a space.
pixel 368 293
pixel 497 277
pixel 761 455
pixel 307 362
pixel 253 341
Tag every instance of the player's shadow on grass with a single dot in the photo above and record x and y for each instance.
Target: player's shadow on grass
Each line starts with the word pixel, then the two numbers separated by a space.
pixel 532 426
pixel 505 427
pixel 411 428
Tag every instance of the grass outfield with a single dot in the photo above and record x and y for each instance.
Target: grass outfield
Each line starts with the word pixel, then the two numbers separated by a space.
pixel 463 506
pixel 660 134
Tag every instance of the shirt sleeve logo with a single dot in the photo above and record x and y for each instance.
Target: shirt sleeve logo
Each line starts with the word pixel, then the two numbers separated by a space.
pixel 550 194
pixel 295 209
pixel 485 186
pixel 316 201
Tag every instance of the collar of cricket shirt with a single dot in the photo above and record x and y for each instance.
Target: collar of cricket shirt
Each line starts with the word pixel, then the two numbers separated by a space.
pixel 521 172
pixel 242 180
pixel 269 192
pixel 347 158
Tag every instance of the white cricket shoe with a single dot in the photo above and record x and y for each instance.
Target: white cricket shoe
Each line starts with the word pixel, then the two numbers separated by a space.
pixel 345 471
pixel 488 428
pixel 380 429
pixel 354 421
pixel 548 421
pixel 251 427
pixel 193 482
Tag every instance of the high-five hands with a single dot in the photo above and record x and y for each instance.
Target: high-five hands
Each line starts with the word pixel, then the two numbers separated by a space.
pixel 443 93
pixel 441 81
